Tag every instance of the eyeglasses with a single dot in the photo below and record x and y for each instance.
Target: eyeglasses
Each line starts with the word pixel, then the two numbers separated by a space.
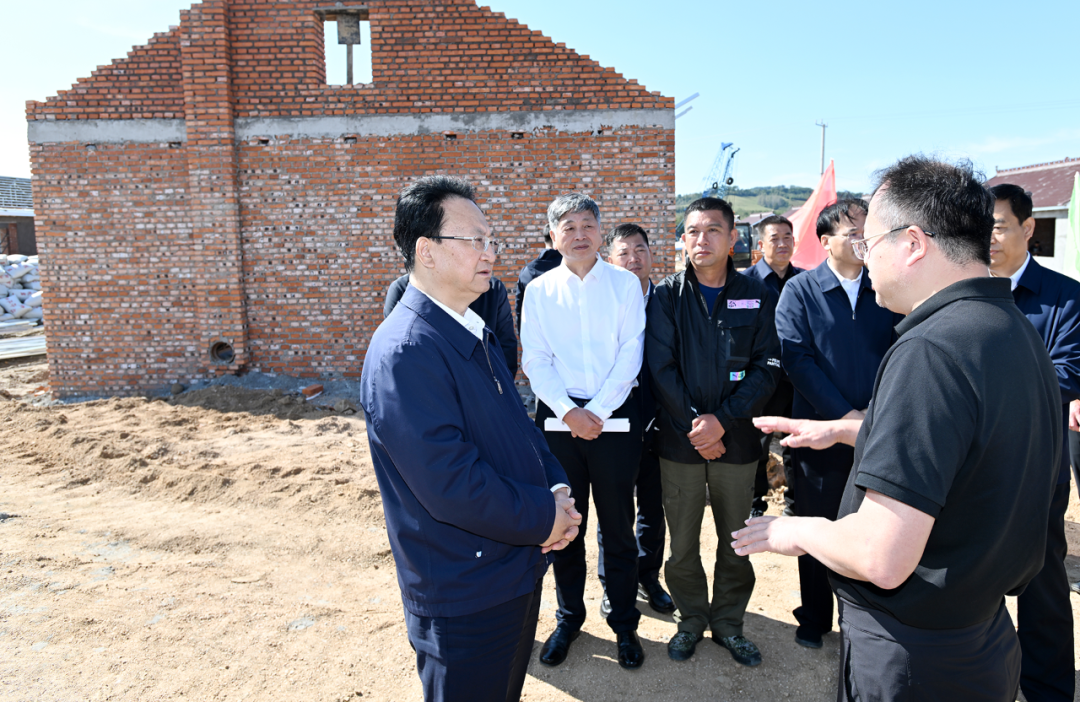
pixel 479 243
pixel 860 247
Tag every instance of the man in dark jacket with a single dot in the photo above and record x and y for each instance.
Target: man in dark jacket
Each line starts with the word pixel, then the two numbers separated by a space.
pixel 493 307
pixel 1051 302
pixel 833 336
pixel 776 242
pixel 712 349
pixel 472 496
pixel 628 247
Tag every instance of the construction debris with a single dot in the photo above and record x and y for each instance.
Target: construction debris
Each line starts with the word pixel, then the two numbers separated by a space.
pixel 20 289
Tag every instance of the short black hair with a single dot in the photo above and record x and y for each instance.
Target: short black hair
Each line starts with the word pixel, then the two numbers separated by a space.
pixel 830 217
pixel 706 204
pixel 947 199
pixel 770 220
pixel 420 212
pixel 623 231
pixel 1019 199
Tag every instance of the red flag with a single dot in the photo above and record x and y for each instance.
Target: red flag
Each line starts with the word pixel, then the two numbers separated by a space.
pixel 808 250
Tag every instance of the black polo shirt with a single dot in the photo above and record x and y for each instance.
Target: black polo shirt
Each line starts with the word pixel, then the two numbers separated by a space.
pixel 963 426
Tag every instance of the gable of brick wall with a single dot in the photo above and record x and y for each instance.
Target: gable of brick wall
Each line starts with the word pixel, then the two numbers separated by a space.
pixel 209 188
pixel 449 57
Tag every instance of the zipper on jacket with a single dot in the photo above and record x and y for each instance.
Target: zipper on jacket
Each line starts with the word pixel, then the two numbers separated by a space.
pixel 490 367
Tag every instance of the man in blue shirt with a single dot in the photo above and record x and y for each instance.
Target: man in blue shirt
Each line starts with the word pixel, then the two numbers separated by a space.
pixel 776 241
pixel 472 496
pixel 833 336
pixel 1051 301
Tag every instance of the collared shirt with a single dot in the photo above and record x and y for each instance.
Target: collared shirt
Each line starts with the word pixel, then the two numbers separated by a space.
pixel 583 338
pixel 764 272
pixel 1015 277
pixel 851 287
pixel 493 307
pixel 472 321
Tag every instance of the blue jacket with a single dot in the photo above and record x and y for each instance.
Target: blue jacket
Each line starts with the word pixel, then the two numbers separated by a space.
pixel 493 307
pixel 1051 302
pixel 831 355
pixel 464 474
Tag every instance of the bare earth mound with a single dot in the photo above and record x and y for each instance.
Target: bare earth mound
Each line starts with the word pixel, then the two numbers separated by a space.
pixel 229 543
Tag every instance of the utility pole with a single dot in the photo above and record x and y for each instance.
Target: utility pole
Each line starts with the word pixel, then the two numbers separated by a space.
pixel 823 126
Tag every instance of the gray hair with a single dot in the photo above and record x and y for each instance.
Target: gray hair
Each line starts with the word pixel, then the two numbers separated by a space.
pixel 571 202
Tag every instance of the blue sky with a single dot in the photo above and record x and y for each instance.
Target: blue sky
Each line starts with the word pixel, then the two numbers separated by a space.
pixel 995 82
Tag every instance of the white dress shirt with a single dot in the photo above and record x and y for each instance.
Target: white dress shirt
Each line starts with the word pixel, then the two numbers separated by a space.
pixel 475 324
pixel 1014 279
pixel 851 287
pixel 583 338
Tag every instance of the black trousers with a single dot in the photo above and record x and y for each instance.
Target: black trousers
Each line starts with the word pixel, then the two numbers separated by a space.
pixel 882 659
pixel 779 405
pixel 651 529
pixel 1044 618
pixel 607 467
pixel 820 479
pixel 481 657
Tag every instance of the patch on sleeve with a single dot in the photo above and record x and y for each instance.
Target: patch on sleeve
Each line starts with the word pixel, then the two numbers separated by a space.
pixel 736 376
pixel 774 362
pixel 743 304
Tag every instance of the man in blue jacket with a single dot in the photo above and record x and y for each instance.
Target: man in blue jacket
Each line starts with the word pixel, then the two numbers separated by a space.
pixel 1051 302
pixel 472 496
pixel 833 336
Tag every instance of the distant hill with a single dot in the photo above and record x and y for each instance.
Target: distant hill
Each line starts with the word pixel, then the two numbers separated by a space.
pixel 747 201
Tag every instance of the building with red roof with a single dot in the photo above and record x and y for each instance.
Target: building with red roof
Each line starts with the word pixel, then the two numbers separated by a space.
pixel 1050 185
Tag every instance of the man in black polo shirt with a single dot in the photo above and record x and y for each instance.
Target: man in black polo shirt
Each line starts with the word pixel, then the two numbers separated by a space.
pixel 955 463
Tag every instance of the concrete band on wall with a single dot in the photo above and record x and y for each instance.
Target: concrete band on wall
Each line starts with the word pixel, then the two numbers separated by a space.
pixel 126 131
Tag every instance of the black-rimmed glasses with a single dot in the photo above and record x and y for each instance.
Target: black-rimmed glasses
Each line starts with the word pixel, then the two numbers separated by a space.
pixel 479 243
pixel 860 247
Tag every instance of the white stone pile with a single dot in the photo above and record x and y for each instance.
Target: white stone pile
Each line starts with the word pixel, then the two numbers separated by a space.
pixel 20 289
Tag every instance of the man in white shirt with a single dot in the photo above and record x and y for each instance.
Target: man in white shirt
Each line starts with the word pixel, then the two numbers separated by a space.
pixel 582 331
pixel 833 336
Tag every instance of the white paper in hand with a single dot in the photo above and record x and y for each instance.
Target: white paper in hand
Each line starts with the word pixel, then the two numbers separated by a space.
pixel 619 425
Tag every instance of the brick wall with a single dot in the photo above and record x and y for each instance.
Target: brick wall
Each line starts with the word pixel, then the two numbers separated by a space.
pixel 209 187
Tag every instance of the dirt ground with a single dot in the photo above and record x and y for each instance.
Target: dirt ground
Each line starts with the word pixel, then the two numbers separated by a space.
pixel 228 544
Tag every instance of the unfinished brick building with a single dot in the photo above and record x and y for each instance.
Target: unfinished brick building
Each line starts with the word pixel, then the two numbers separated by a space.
pixel 210 205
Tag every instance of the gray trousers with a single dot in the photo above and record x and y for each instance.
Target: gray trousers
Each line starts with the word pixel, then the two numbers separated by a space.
pixel 731 491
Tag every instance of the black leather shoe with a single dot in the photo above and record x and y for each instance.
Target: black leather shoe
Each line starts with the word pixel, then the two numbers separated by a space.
pixel 659 600
pixel 631 655
pixel 558 644
pixel 808 638
pixel 605 606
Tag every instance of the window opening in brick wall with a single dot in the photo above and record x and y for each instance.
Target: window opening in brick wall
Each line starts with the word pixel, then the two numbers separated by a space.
pixel 1042 239
pixel 347 37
